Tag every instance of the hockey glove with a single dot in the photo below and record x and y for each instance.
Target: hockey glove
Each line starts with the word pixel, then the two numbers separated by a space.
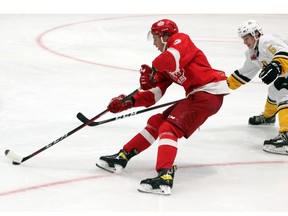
pixel 147 79
pixel 270 72
pixel 120 103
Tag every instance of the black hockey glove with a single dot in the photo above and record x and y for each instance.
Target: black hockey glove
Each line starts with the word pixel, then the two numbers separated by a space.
pixel 270 72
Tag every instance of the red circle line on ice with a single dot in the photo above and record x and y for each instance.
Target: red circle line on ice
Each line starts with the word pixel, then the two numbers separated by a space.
pixel 88 178
pixel 40 41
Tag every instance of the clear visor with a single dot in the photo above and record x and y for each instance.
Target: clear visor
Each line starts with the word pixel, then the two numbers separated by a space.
pixel 149 36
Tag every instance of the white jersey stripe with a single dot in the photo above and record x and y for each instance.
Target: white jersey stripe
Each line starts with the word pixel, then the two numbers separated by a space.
pixel 176 56
pixel 219 87
pixel 157 93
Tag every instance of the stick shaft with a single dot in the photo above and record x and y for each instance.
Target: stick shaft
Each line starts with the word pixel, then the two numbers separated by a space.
pixel 84 119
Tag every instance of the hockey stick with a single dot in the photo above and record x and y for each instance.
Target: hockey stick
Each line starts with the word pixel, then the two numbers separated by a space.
pixel 84 119
pixel 17 160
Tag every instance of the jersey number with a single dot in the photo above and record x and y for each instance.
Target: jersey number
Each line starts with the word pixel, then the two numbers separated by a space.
pixel 272 49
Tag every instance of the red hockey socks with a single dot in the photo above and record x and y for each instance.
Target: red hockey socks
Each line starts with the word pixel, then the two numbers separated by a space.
pixel 167 151
pixel 142 140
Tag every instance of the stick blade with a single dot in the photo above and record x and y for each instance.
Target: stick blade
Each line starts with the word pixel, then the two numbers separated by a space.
pixel 82 118
pixel 16 159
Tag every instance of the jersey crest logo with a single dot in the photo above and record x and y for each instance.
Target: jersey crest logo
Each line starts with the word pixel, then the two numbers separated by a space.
pixel 178 76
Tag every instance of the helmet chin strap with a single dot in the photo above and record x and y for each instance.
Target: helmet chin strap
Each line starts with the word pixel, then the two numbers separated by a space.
pixel 164 43
pixel 256 37
pixel 256 42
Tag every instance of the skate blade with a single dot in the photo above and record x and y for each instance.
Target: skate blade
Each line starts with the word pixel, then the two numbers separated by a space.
pixel 104 165
pixel 272 149
pixel 162 190
pixel 262 125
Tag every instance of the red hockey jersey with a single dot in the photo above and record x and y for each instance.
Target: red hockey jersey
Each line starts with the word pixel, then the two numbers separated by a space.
pixel 182 63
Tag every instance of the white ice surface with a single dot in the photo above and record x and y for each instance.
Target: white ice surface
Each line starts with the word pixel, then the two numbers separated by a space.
pixel 54 66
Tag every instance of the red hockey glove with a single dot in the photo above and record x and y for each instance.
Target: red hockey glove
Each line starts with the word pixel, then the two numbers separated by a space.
pixel 120 103
pixel 147 79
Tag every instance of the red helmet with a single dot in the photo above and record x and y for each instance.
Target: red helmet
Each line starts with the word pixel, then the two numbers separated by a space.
pixel 164 27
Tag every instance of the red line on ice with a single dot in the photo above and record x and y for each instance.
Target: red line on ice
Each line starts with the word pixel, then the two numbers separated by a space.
pixel 87 178
pixel 40 42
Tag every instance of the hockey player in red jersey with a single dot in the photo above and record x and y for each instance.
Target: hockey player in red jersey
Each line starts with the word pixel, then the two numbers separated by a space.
pixel 267 54
pixel 180 62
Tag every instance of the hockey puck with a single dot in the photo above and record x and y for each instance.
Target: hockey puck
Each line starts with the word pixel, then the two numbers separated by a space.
pixel 15 163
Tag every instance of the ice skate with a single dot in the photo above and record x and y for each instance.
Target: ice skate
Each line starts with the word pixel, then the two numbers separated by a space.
pixel 116 162
pixel 162 184
pixel 277 145
pixel 261 120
